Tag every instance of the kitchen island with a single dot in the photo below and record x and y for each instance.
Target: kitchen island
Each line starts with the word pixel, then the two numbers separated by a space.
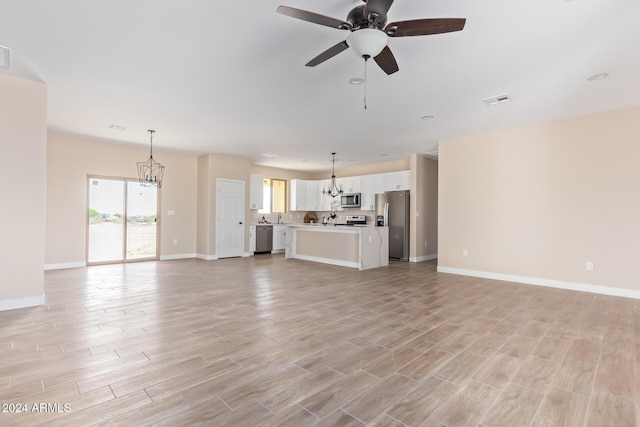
pixel 361 247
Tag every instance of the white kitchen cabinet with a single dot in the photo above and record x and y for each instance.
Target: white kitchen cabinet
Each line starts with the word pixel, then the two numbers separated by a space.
pixel 252 238
pixel 297 195
pixel 312 196
pixel 255 191
pixel 351 184
pixel 404 180
pixel 378 180
pixel 400 180
pixel 368 193
pixel 279 232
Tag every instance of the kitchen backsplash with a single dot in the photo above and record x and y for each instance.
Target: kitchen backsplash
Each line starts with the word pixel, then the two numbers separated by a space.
pixel 298 216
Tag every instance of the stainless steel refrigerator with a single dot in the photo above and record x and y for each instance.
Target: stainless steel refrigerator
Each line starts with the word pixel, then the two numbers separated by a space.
pixel 392 210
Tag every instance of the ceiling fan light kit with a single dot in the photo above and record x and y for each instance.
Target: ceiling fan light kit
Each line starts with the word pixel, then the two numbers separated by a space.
pixel 370 31
pixel 368 42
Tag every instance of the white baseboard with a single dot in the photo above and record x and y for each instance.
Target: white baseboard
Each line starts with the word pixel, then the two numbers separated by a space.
pixel 207 257
pixel 65 265
pixel 177 256
pixel 423 258
pixel 573 286
pixel 15 303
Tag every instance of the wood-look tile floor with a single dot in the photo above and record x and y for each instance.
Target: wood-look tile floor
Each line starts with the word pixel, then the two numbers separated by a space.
pixel 274 342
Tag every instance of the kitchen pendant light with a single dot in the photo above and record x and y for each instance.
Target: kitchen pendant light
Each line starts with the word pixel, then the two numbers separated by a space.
pixel 150 172
pixel 333 189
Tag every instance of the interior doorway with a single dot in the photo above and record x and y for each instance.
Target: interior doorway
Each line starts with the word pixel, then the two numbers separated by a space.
pixel 122 222
pixel 229 218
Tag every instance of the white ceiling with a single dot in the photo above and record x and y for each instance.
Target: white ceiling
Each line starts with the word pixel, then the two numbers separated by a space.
pixel 229 77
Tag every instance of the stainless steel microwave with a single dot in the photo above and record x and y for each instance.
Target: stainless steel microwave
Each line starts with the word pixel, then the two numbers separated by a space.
pixel 350 200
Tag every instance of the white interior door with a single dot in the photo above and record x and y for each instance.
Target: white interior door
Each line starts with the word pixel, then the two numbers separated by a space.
pixel 230 218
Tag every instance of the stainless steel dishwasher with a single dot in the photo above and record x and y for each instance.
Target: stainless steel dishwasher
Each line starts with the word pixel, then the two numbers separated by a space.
pixel 264 238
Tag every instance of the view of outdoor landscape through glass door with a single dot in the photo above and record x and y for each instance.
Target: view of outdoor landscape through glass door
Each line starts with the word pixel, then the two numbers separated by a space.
pixel 122 221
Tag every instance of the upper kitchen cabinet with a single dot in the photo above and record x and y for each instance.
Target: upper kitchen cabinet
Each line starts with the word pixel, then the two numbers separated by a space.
pixel 378 183
pixel 400 180
pixel 312 195
pixel 368 195
pixel 350 184
pixel 255 191
pixel 298 195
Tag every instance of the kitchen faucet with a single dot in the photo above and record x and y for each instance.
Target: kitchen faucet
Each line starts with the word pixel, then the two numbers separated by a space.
pixel 279 217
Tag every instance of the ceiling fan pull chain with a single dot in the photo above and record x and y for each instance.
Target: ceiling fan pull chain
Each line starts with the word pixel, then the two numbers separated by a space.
pixel 365 81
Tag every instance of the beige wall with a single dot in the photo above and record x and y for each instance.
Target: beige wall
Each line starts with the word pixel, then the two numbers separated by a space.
pixel 372 168
pixel 189 189
pixel 424 208
pixel 23 136
pixel 540 201
pixel 204 225
pixel 210 168
pixel 71 159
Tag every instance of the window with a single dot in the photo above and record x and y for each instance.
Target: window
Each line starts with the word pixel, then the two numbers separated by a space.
pixel 273 195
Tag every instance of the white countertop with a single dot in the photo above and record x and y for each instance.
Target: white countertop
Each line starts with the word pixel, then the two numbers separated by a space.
pixel 329 225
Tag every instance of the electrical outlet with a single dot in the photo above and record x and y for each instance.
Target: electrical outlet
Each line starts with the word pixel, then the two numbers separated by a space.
pixel 589 266
pixel 425 243
pixel 175 241
pixel 465 252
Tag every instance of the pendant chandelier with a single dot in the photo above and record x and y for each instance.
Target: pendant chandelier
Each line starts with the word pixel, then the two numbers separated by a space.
pixel 333 189
pixel 150 172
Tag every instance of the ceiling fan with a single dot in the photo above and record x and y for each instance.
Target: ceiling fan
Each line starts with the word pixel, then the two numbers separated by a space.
pixel 370 31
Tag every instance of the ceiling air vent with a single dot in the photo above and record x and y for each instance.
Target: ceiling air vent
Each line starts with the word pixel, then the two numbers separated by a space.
pixel 5 57
pixel 495 100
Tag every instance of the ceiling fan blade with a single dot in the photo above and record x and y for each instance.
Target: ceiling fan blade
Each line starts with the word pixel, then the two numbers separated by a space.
pixel 328 54
pixel 387 61
pixel 313 17
pixel 424 27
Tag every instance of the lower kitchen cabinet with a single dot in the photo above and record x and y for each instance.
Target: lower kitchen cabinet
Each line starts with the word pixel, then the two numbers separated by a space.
pixel 252 239
pixel 278 238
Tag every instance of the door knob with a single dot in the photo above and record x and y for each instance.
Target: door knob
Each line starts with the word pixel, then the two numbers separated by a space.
pixel 240 222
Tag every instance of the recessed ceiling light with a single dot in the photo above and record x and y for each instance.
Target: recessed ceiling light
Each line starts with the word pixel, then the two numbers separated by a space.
pixel 5 57
pixel 356 80
pixel 270 155
pixel 426 117
pixel 598 76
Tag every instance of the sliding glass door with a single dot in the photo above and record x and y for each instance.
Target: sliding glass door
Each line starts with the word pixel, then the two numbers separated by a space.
pixel 122 221
pixel 142 208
